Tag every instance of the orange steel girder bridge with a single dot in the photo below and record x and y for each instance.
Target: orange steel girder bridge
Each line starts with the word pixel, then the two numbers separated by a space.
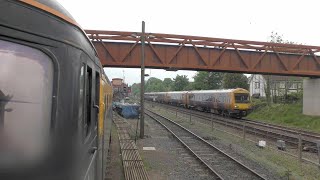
pixel 177 52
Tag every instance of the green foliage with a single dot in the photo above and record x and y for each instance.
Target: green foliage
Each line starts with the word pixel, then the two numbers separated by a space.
pixel 235 80
pixel 208 80
pixel 277 38
pixel 180 83
pixel 258 103
pixel 135 89
pixel 154 85
pixel 285 114
pixel 167 84
pixel 294 97
pixel 267 90
pixel 190 87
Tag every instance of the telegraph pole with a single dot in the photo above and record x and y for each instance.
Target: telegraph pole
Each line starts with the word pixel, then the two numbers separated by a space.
pixel 142 82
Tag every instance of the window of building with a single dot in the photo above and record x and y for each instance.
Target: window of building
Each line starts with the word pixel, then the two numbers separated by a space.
pixel 294 85
pixel 257 85
pixel 282 85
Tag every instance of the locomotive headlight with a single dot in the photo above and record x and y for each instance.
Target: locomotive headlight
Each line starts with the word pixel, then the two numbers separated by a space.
pixel 236 106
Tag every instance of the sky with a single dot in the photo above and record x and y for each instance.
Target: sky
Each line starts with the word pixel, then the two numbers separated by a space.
pixel 253 20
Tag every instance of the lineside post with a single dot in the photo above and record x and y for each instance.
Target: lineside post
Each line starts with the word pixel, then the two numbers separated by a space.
pixel 142 81
pixel 318 148
pixel 190 118
pixel 211 122
pixel 300 149
pixel 244 130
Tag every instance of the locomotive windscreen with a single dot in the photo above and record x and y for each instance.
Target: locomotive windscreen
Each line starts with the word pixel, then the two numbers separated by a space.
pixel 26 80
pixel 241 98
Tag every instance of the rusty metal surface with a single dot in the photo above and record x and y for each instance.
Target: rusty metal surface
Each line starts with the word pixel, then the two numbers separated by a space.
pixel 166 51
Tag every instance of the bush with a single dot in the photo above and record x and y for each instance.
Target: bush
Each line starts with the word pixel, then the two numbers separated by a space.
pixel 259 103
pixel 291 98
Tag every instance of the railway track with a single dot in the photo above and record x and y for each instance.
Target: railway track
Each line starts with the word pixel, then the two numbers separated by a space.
pixel 275 132
pixel 220 164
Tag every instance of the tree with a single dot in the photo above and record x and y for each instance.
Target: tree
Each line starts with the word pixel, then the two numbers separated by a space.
pixel 189 87
pixel 167 84
pixel 208 80
pixel 154 85
pixel 135 89
pixel 267 89
pixel 235 80
pixel 276 38
pixel 180 82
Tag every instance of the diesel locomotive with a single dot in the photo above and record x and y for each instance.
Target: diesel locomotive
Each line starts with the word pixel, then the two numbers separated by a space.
pixel 228 102
pixel 55 99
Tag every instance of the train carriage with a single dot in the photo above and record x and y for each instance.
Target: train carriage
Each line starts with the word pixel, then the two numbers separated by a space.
pixel 228 102
pixel 55 99
pixel 176 97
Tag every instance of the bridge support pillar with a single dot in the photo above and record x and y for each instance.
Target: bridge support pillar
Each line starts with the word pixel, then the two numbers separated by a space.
pixel 311 97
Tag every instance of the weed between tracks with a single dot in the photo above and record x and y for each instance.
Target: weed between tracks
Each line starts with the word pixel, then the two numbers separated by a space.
pixel 146 163
pixel 285 166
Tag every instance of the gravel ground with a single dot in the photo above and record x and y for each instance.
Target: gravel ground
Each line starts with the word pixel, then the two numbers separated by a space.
pixel 255 138
pixel 265 161
pixel 170 160
pixel 231 149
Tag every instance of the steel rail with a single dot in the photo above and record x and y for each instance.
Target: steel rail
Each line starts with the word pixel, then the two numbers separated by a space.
pixel 291 135
pixel 187 147
pixel 255 132
pixel 245 169
pixel 292 130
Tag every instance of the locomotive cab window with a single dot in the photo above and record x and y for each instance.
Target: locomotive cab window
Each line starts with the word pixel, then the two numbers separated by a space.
pixel 26 88
pixel 241 98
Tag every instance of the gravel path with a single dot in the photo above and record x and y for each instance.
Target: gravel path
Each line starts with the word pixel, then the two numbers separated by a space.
pixel 170 160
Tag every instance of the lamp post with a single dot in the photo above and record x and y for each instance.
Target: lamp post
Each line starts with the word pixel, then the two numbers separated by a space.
pixel 142 81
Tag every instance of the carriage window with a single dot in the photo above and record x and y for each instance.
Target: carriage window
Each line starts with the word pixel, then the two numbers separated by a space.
pixel 81 94
pixel 26 87
pixel 88 84
pixel 97 97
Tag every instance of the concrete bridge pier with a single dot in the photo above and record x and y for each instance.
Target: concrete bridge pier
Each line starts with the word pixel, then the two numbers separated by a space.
pixel 311 96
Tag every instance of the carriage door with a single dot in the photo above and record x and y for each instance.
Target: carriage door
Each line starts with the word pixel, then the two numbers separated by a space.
pixel 96 105
pixel 92 83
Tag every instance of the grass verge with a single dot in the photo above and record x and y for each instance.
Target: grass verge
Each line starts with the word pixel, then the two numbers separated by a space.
pixel 288 115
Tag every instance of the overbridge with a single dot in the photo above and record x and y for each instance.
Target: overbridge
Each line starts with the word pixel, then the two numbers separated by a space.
pixel 178 52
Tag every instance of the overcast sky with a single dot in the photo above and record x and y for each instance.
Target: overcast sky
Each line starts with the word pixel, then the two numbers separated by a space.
pixel 254 20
